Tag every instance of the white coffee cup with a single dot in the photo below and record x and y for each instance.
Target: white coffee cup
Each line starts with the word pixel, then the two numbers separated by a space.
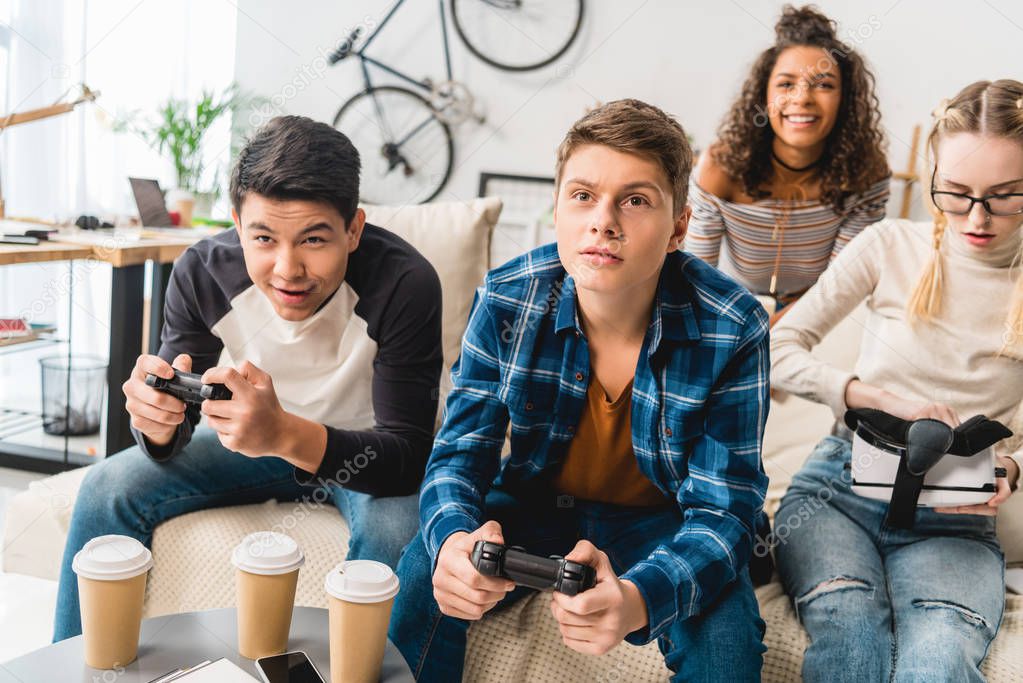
pixel 360 596
pixel 111 573
pixel 267 566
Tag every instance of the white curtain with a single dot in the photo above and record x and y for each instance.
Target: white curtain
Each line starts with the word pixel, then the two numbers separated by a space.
pixel 136 54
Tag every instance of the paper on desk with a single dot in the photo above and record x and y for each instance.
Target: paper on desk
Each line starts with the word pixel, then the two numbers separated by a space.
pixel 220 671
pixel 181 233
pixel 102 238
pixel 9 227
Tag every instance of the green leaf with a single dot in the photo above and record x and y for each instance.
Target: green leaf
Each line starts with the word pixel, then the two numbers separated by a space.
pixel 179 129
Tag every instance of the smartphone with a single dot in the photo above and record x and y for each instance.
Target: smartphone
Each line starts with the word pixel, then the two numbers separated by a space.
pixel 290 667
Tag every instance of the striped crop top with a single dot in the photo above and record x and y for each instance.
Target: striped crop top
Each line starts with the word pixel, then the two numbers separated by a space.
pixel 788 242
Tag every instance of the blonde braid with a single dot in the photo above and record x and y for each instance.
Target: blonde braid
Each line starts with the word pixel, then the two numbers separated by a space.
pixel 1013 337
pixel 925 301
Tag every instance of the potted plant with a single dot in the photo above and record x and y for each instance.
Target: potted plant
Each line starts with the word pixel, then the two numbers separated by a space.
pixel 178 130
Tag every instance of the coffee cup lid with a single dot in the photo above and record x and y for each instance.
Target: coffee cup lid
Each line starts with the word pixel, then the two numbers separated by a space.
pixel 362 581
pixel 112 558
pixel 267 552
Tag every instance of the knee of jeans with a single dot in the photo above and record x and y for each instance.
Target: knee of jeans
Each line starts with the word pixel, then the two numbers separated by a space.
pixel 945 614
pixel 386 517
pixel 947 643
pixel 840 595
pixel 108 482
pixel 415 566
pixel 734 618
pixel 689 647
pixel 404 510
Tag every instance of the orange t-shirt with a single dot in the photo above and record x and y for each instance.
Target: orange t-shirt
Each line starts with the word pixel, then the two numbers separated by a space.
pixel 600 464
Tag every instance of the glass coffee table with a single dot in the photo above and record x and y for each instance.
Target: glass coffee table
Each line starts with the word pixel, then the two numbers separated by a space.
pixel 182 640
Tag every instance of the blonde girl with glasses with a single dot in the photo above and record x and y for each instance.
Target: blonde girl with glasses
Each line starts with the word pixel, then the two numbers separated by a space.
pixel 943 339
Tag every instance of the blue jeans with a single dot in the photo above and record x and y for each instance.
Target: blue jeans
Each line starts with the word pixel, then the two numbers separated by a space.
pixel 131 494
pixel 885 604
pixel 725 643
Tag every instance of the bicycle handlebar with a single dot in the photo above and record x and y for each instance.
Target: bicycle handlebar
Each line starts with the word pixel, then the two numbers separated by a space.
pixel 346 46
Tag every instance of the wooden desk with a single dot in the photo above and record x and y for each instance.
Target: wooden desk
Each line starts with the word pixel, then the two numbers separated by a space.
pixel 119 248
pixel 134 246
pixel 127 251
pixel 44 251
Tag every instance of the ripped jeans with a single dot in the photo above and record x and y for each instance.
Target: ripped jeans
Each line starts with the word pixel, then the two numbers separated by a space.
pixel 884 604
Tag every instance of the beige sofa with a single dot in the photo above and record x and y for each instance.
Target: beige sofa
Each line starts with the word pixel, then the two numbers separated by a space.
pixel 192 569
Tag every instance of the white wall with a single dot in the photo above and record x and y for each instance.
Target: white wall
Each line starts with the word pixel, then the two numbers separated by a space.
pixel 687 57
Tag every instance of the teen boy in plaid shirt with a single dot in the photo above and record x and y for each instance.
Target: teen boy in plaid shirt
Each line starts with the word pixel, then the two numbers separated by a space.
pixel 635 378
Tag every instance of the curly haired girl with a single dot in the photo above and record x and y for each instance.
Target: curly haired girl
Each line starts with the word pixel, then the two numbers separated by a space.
pixel 799 166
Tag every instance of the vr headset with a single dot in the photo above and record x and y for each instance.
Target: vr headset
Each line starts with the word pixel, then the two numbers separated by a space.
pixel 907 463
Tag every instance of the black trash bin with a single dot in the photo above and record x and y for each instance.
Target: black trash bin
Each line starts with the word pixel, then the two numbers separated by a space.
pixel 72 394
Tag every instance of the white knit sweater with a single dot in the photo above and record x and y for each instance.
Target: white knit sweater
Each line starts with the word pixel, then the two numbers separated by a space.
pixel 953 359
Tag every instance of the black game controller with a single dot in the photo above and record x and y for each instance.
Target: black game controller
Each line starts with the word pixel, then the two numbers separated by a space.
pixel 189 388
pixel 541 573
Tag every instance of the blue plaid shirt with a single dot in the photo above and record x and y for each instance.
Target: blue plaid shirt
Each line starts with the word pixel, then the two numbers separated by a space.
pixel 699 404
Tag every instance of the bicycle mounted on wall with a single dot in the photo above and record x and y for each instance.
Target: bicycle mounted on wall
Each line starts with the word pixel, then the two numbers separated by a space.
pixel 403 134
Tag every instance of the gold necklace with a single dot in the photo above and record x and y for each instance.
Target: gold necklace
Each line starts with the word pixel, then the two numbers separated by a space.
pixel 797 192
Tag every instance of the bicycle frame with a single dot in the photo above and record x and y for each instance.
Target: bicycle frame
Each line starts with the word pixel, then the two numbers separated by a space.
pixel 365 60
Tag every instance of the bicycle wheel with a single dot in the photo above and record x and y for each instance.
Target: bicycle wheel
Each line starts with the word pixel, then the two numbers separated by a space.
pixel 517 35
pixel 406 150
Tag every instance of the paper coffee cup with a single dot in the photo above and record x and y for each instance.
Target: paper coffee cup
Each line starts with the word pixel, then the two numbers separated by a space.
pixel 267 574
pixel 111 587
pixel 184 208
pixel 360 594
pixel 183 202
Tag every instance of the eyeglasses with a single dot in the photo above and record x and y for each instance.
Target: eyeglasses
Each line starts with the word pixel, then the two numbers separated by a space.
pixel 959 204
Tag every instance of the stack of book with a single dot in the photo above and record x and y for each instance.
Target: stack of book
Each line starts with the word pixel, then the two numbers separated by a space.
pixel 18 330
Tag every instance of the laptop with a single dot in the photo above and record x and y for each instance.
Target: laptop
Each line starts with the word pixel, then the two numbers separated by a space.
pixel 150 202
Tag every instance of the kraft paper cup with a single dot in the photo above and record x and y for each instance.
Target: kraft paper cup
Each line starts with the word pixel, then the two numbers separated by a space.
pixel 111 574
pixel 267 565
pixel 360 594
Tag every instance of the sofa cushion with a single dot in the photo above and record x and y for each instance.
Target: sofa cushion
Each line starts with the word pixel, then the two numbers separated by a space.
pixel 455 238
pixel 36 525
pixel 192 567
pixel 192 571
pixel 795 425
pixel 522 643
